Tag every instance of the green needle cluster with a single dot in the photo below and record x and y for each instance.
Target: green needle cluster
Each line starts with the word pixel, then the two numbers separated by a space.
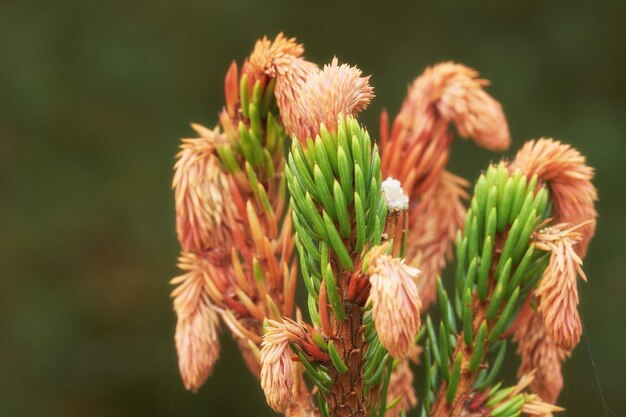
pixel 260 138
pixel 497 266
pixel 338 211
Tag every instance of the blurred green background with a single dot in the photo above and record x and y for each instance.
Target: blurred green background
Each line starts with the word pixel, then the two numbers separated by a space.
pixel 93 99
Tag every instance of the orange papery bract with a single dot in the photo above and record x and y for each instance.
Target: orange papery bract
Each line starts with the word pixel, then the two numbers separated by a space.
pixel 557 290
pixel 416 152
pixel 335 90
pixel 197 325
pixel 569 179
pixel 201 193
pixel 277 367
pixel 395 303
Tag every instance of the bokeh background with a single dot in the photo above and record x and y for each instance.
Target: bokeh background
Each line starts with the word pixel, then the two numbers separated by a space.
pixel 94 96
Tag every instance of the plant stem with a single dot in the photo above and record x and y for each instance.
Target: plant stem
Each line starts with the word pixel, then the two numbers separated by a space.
pixel 347 398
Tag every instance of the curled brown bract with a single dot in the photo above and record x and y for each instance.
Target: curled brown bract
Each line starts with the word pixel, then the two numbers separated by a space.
pixel 568 176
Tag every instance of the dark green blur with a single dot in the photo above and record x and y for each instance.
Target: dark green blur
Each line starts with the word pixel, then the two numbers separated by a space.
pixel 93 99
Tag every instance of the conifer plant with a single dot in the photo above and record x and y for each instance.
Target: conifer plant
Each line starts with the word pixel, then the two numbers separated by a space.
pixel 290 188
